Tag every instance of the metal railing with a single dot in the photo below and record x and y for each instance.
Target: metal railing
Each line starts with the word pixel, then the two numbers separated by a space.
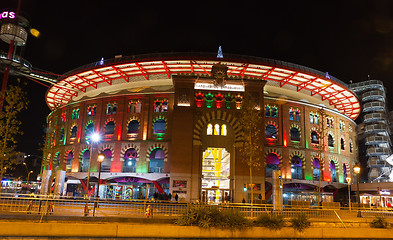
pixel 49 205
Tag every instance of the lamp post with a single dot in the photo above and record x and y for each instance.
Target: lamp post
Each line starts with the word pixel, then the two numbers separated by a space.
pixel 356 169
pixel 28 176
pixel 349 192
pixel 27 170
pixel 100 159
pixel 94 137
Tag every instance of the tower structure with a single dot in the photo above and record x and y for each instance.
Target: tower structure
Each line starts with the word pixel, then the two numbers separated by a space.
pixel 373 129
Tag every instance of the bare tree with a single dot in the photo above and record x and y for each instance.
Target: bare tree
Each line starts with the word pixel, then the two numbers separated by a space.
pixel 14 102
pixel 251 120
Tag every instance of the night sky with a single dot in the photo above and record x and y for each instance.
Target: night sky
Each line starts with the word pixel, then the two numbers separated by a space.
pixel 348 39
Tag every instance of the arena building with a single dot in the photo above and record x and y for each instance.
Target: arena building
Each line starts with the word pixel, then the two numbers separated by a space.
pixel 167 125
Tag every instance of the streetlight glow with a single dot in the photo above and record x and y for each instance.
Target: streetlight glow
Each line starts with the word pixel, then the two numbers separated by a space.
pixel 356 169
pixel 95 137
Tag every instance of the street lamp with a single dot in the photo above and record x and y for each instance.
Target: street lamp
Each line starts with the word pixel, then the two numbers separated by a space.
pixel 94 137
pixel 356 169
pixel 27 170
pixel 349 192
pixel 28 176
pixel 100 159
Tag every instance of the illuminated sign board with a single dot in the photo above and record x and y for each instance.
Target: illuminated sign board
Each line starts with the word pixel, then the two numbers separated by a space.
pixel 7 14
pixel 227 87
pixel 384 192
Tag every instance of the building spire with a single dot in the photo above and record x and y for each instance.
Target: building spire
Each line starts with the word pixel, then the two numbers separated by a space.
pixel 219 54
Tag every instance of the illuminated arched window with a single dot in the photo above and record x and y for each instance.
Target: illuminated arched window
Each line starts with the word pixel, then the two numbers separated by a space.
pixel 271 131
pixel 316 166
pixel 267 111
pixel 106 164
pixel 314 137
pixel 157 161
pixel 345 172
pixel 224 130
pixel 216 129
pixel 89 129
pixel 297 115
pixel 350 147
pixel 316 119
pixel 130 157
pixel 69 158
pixel 61 138
pixel 219 99
pixel 295 134
pixel 342 143
pixel 330 141
pixel 159 126
pixel 209 100
pixel 164 106
pixel 291 114
pixel 209 129
pixel 114 108
pixel 272 163
pixel 296 167
pixel 84 164
pixel 311 118
pixel 333 175
pixel 110 127
pixel 74 131
pixel 274 112
pixel 133 127
pixel 108 109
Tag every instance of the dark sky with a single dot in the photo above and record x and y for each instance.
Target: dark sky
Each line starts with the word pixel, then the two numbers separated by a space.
pixel 348 39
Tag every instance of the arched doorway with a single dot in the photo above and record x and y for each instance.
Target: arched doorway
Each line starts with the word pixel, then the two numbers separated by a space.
pixel 215 173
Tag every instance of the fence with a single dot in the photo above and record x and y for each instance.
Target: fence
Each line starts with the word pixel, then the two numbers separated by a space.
pixel 36 204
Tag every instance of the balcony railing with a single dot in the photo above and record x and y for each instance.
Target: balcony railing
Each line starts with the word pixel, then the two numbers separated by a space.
pixel 376 128
pixel 370 84
pixel 374 95
pixel 373 117
pixel 374 106
pixel 370 140
pixel 375 151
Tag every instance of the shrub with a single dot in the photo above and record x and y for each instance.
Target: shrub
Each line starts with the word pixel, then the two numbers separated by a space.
pixel 211 216
pixel 274 222
pixel 379 222
pixel 300 222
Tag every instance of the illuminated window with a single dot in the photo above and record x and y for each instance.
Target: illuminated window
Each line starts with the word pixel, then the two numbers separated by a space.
pixel 89 130
pixel 219 99
pixel 311 118
pixel 345 172
pixel 316 165
pixel 61 137
pixel 69 159
pixel 271 131
pixel 84 164
pixel 74 131
pixel 110 127
pixel 108 109
pixel 133 127
pixel 224 130
pixel 216 129
pixel 342 143
pixel 333 175
pixel 114 108
pixel 274 112
pixel 297 115
pixel 209 129
pixel 63 117
pixel 157 161
pixel 296 167
pixel 238 102
pixel 75 113
pixel 209 100
pixel 135 106
pixel 295 134
pixel 267 111
pixel 314 137
pixel 228 101
pixel 330 141
pixel 130 158
pixel 164 106
pixel 316 119
pixel 272 163
pixel 199 99
pixel 291 114
pixel 106 164
pixel 91 111
pixel 350 147
pixel 159 126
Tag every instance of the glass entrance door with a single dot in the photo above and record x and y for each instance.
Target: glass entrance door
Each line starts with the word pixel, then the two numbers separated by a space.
pixel 215 173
